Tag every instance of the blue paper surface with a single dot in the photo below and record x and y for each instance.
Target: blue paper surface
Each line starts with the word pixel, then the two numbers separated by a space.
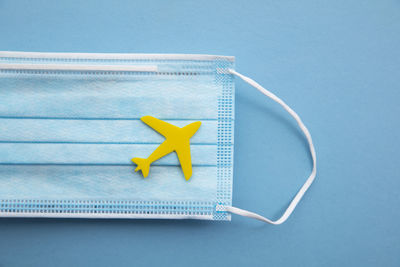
pixel 336 63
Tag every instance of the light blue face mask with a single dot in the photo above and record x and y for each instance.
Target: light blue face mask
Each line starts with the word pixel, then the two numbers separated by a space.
pixel 70 125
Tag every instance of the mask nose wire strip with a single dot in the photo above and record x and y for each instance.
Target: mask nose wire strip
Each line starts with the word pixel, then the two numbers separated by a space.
pixel 309 180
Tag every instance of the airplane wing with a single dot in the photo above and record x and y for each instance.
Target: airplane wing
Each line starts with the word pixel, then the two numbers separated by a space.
pixel 162 127
pixel 183 152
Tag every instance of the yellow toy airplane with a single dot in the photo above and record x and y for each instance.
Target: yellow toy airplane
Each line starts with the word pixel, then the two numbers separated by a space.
pixel 177 139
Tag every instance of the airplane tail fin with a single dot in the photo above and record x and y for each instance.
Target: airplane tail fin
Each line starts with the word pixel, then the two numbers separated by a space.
pixel 142 164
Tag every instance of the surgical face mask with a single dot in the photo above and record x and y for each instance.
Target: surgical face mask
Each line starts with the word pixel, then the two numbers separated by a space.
pixel 75 127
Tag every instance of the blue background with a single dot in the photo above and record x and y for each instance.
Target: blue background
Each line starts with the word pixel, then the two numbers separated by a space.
pixel 337 63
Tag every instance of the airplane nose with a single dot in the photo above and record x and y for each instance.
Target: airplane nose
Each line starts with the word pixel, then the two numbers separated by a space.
pixel 197 124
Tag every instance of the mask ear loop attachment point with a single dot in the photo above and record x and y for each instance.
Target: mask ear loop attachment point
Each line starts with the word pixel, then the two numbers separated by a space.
pixel 306 133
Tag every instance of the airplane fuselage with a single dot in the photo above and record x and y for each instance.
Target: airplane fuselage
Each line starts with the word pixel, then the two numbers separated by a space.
pixel 162 150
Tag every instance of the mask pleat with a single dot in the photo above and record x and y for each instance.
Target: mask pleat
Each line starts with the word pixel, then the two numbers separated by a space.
pixel 80 98
pixel 105 182
pixel 99 154
pixel 96 131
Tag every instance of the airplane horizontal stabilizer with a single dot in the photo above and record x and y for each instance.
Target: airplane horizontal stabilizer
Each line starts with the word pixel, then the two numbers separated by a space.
pixel 142 164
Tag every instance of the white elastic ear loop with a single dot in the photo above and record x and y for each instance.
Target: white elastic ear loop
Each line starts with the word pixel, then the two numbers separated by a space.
pixel 309 180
